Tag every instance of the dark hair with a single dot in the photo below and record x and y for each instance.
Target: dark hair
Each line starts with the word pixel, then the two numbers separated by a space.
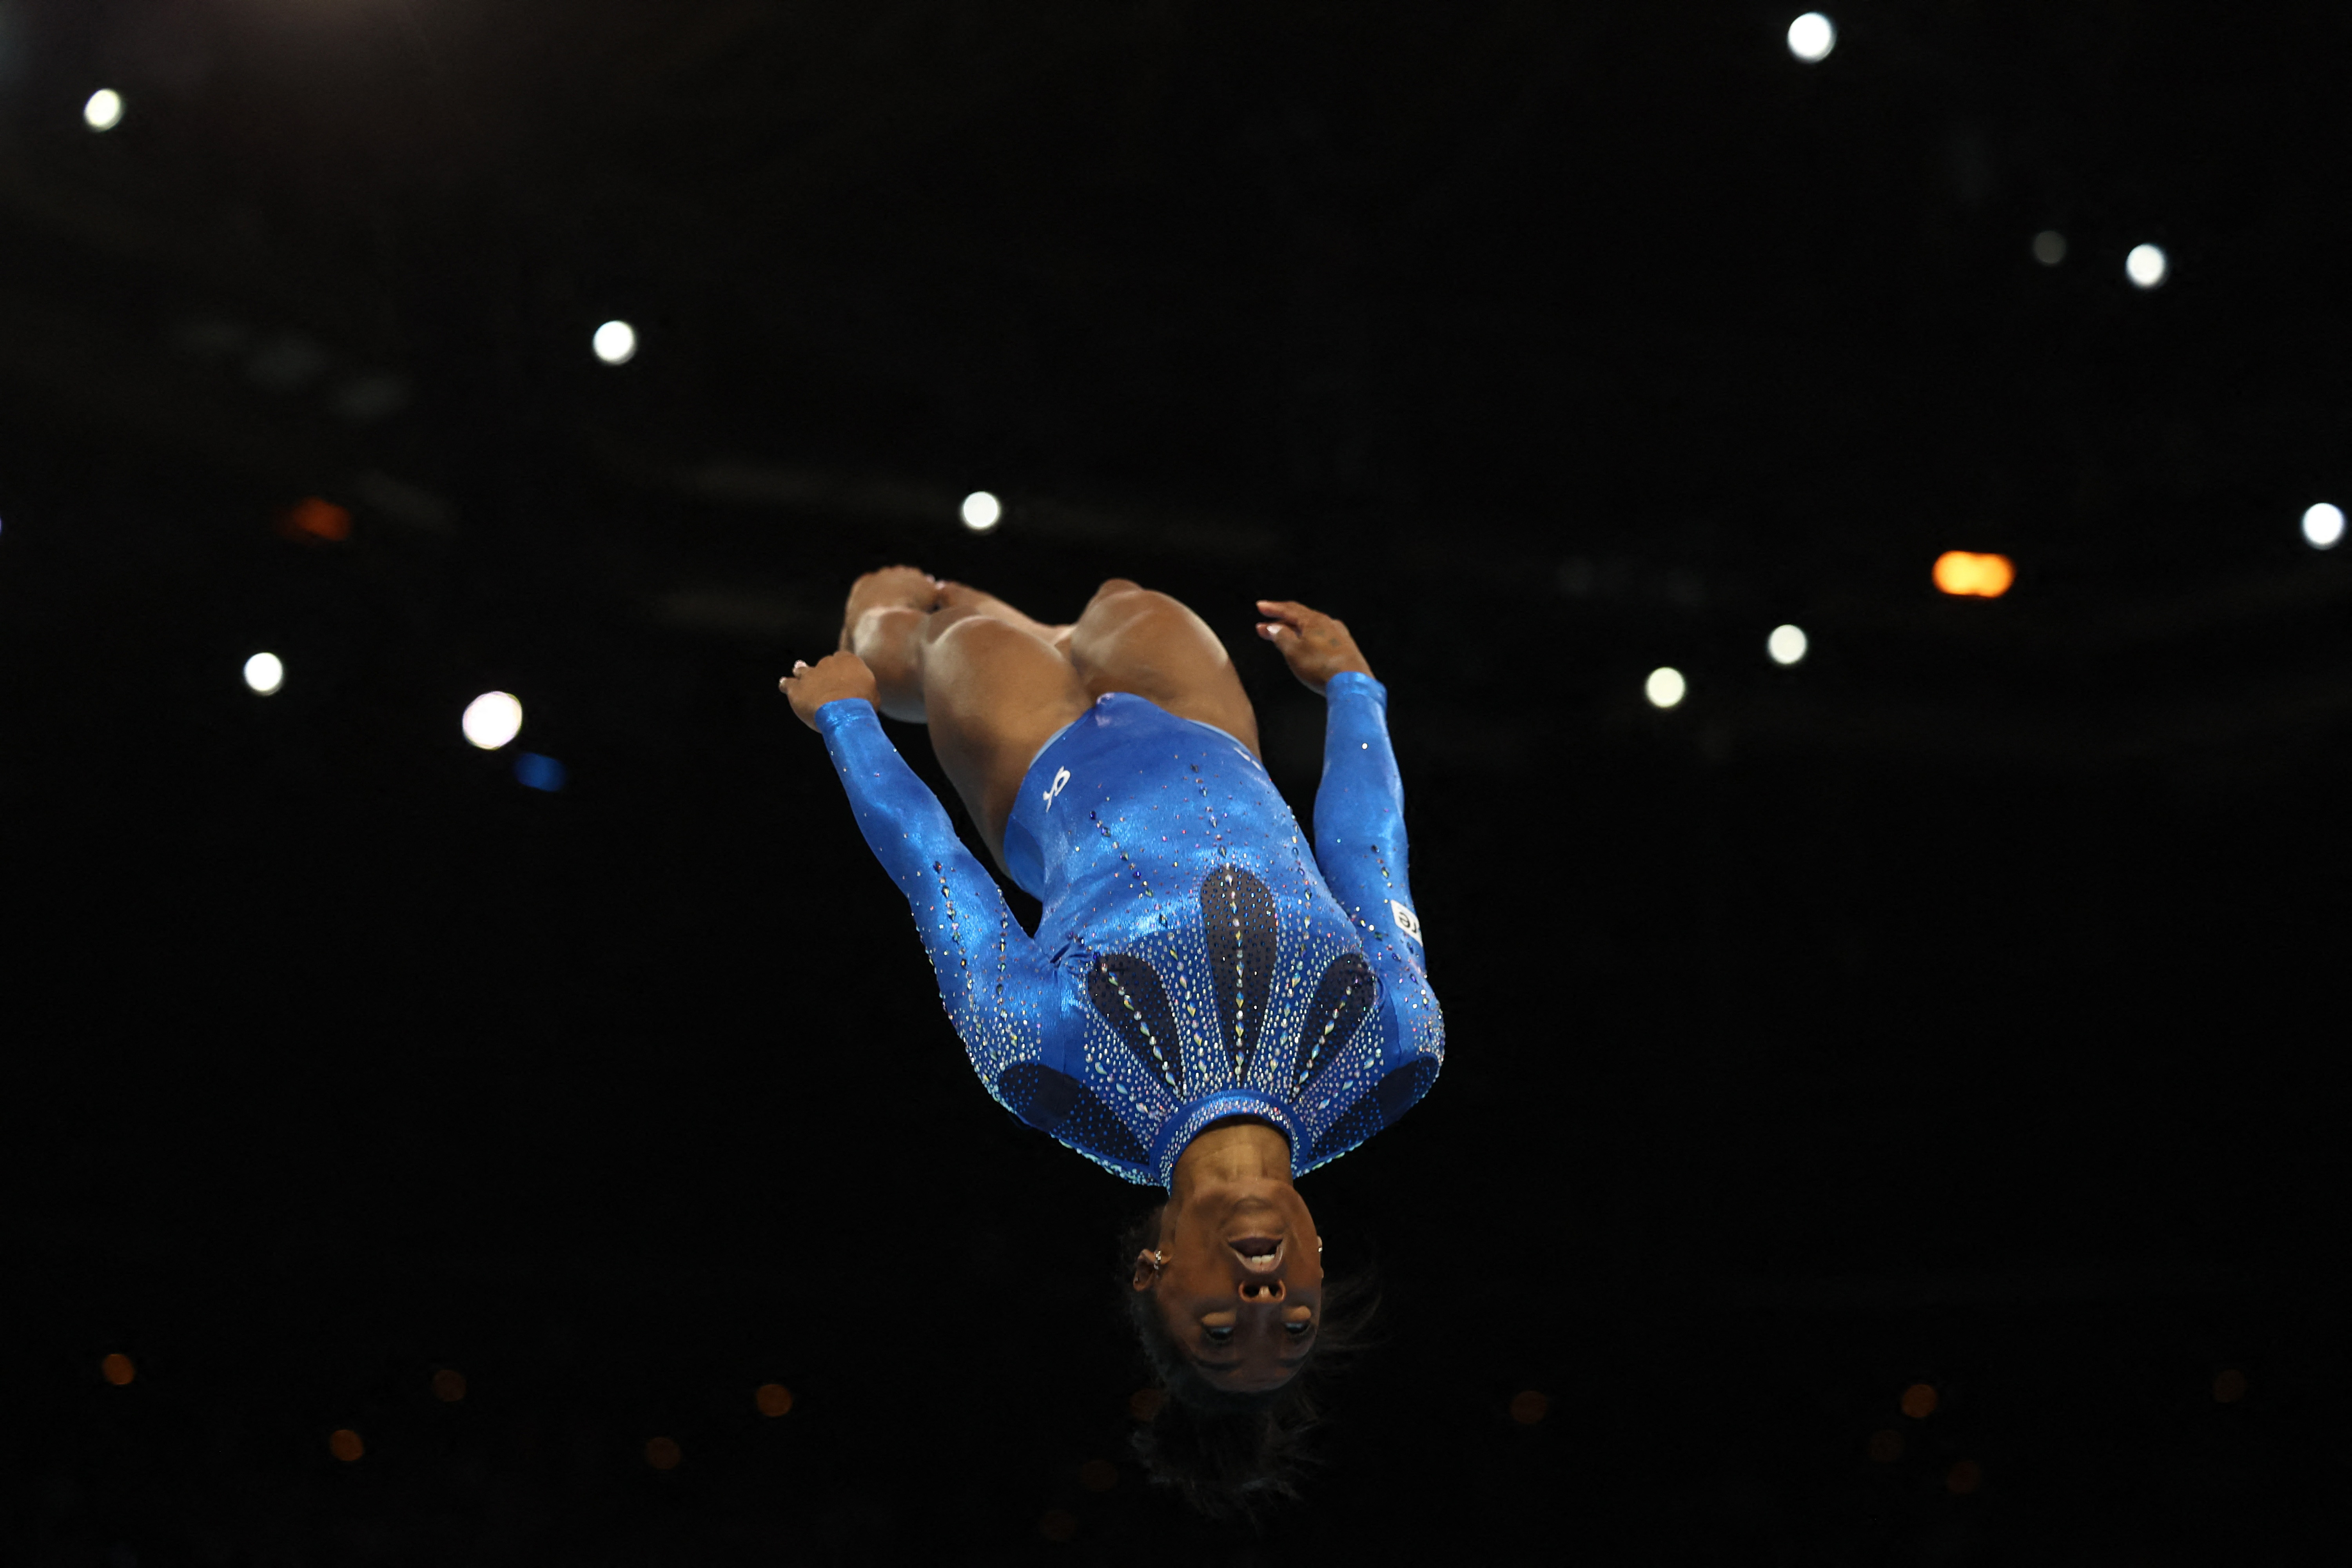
pixel 1228 1454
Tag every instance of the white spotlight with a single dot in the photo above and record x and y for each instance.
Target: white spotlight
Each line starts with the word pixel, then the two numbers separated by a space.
pixel 1811 36
pixel 1786 645
pixel 616 342
pixel 104 110
pixel 2145 266
pixel 2323 525
pixel 981 511
pixel 265 673
pixel 492 719
pixel 1665 687
pixel 2050 248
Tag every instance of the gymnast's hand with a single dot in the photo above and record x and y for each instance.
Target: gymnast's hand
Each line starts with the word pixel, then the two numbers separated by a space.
pixel 829 679
pixel 1314 644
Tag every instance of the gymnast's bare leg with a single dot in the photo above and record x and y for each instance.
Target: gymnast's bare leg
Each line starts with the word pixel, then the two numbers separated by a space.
pixel 994 685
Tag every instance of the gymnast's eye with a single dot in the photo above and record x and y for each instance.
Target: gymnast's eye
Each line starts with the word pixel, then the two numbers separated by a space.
pixel 1300 1330
pixel 1219 1333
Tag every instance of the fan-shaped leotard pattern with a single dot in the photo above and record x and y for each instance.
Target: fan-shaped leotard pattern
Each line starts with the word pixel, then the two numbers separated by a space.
pixel 1193 960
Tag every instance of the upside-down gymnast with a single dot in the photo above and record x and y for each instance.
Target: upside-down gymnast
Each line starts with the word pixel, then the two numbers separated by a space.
pixel 1204 1005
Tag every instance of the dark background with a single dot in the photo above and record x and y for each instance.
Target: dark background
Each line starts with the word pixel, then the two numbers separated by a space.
pixel 1958 1006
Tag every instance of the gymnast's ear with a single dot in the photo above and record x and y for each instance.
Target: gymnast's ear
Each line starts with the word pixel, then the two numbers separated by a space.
pixel 1147 1272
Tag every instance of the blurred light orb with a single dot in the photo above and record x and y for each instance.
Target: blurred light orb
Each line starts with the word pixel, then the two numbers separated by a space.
pixel 1967 574
pixel 1786 645
pixel 492 719
pixel 2323 525
pixel 981 511
pixel 2145 266
pixel 1811 36
pixel 265 673
pixel 616 342
pixel 104 110
pixel 535 772
pixel 1665 687
pixel 2050 248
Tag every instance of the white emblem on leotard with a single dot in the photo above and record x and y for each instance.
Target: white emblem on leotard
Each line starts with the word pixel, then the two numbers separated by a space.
pixel 1407 922
pixel 1060 778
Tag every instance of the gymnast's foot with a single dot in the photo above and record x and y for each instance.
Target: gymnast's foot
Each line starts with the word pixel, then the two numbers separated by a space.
pixel 891 588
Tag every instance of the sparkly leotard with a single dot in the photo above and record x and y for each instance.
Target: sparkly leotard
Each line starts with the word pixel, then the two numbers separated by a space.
pixel 1192 961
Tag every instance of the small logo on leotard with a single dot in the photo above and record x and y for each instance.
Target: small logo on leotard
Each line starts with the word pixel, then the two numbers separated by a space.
pixel 1407 922
pixel 1060 778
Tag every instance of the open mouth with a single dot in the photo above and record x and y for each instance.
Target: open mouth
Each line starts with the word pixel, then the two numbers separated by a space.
pixel 1259 1253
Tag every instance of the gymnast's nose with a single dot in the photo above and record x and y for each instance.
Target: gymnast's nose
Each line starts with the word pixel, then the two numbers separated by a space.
pixel 1262 1290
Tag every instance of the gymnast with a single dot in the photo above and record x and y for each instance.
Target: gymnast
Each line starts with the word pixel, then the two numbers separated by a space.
pixel 1205 1007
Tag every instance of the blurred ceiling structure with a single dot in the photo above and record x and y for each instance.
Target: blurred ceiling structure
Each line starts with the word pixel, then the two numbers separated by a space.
pixel 1458 307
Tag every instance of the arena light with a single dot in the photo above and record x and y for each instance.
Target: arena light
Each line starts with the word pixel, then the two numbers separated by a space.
pixel 615 342
pixel 2146 265
pixel 1811 36
pixel 104 110
pixel 265 673
pixel 316 517
pixel 981 511
pixel 2050 248
pixel 492 719
pixel 535 772
pixel 1786 645
pixel 1665 687
pixel 1967 574
pixel 2323 525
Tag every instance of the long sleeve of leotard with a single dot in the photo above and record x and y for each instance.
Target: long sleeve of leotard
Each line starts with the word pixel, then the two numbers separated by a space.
pixel 1361 845
pixel 994 980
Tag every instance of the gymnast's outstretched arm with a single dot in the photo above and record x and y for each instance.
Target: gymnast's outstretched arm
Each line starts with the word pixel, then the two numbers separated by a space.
pixel 1359 842
pixel 992 978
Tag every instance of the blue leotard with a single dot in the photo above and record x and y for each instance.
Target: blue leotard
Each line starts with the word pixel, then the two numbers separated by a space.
pixel 1192 961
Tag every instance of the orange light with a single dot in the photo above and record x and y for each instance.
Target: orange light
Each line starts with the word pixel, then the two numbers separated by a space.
pixel 1964 1478
pixel 1920 1401
pixel 117 1369
pixel 344 1443
pixel 1886 1447
pixel 1145 1403
pixel 1528 1407
pixel 448 1386
pixel 1969 576
pixel 1059 1524
pixel 662 1454
pixel 315 516
pixel 773 1399
pixel 1098 1474
pixel 2230 1386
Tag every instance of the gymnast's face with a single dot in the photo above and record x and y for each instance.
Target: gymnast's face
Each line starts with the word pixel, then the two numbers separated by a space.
pixel 1241 1290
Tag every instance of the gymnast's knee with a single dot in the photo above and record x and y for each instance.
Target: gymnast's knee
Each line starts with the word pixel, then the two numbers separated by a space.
pixel 1112 586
